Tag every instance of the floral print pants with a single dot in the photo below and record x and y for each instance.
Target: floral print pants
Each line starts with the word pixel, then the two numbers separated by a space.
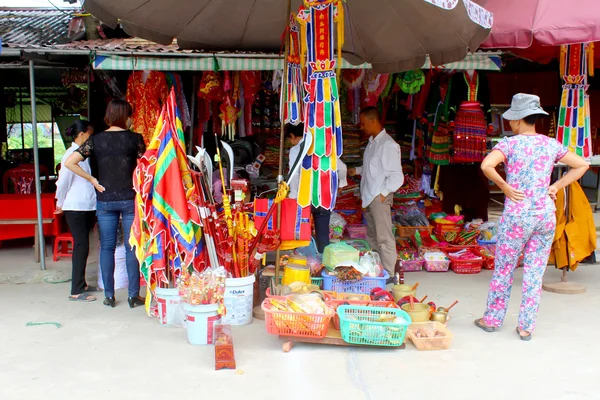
pixel 533 236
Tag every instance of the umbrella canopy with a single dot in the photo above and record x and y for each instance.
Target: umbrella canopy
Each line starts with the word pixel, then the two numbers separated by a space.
pixel 391 35
pixel 517 23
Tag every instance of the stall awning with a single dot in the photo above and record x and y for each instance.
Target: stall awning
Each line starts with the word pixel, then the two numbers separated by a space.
pixel 479 61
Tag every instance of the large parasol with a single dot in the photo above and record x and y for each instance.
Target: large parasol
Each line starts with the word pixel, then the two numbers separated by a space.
pixel 392 35
pixel 524 23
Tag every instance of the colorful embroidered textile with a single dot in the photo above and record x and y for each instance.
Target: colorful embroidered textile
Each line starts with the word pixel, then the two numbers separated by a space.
pixel 470 129
pixel 574 116
pixel 322 116
pixel 166 232
pixel 292 98
pixel 146 98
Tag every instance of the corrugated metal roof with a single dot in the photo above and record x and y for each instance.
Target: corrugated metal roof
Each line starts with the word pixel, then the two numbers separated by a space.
pixel 34 27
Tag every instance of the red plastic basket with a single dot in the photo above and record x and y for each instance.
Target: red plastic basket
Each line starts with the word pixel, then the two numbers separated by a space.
pixel 442 231
pixel 286 323
pixel 465 267
pixel 488 260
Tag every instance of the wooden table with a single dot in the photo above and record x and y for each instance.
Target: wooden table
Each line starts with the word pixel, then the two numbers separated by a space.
pixel 34 222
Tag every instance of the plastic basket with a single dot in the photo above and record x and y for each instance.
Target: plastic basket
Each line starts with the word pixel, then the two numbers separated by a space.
pixel 489 259
pixel 410 265
pixel 485 242
pixel 356 231
pixel 434 343
pixel 365 285
pixel 334 304
pixel 409 231
pixel 361 325
pixel 436 265
pixel 287 323
pixel 465 267
pixel 317 281
pixel 448 232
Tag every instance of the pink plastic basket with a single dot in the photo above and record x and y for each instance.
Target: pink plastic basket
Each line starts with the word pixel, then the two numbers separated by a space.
pixel 357 231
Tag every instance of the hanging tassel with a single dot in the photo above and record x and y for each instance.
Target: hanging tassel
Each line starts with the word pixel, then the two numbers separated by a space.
pixel 563 60
pixel 590 51
pixel 303 45
pixel 340 36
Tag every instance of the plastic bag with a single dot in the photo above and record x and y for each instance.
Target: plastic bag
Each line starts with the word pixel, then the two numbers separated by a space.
pixel 411 215
pixel 337 224
pixel 339 253
pixel 371 263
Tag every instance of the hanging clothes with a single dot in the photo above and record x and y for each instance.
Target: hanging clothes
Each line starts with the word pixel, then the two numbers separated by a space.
pixel 439 150
pixel 470 105
pixel 174 80
pixel 579 232
pixel 146 97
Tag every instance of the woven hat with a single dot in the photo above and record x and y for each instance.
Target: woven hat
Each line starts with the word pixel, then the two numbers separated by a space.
pixel 523 105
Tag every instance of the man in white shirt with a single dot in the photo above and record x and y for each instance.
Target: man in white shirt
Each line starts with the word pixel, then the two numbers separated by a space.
pixel 381 176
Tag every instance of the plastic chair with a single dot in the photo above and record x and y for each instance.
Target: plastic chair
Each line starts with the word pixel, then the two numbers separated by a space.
pixel 23 178
pixel 61 246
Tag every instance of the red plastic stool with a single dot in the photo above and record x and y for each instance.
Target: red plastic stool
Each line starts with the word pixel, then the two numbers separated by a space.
pixel 61 246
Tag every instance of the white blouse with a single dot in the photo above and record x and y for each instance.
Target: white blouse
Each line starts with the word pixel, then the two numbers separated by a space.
pixel 73 193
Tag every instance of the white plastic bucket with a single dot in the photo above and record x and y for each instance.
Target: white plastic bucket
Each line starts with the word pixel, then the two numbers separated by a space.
pixel 239 297
pixel 121 280
pixel 200 322
pixel 169 306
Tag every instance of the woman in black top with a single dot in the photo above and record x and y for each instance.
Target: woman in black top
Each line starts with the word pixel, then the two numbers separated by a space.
pixel 115 152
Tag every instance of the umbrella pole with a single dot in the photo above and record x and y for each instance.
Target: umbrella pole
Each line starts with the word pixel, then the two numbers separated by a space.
pixel 36 163
pixel 286 52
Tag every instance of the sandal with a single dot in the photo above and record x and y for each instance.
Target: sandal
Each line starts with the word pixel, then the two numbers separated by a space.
pixel 523 338
pixel 485 328
pixel 92 289
pixel 85 297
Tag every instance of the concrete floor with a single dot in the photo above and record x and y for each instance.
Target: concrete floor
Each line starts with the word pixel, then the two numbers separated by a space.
pixel 102 353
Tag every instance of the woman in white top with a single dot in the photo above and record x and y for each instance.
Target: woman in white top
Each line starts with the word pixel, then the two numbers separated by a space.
pixel 76 197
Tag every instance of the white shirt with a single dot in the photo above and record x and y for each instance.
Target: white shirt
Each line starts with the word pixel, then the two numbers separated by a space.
pixel 381 170
pixel 73 193
pixel 295 180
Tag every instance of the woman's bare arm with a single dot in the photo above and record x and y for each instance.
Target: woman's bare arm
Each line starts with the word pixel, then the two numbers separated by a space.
pixel 72 163
pixel 488 166
pixel 578 167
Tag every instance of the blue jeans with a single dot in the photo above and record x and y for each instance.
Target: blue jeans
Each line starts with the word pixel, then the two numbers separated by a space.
pixel 108 222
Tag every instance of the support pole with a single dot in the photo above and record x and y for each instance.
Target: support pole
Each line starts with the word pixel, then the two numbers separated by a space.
pixel 193 114
pixel 282 132
pixel 36 163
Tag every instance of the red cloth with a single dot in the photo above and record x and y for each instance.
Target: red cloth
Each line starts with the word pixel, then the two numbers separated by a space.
pixel 295 221
pixel 518 22
pixel 20 206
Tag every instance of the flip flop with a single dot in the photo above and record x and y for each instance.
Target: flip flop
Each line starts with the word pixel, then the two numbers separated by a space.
pixel 488 329
pixel 84 297
pixel 92 289
pixel 523 338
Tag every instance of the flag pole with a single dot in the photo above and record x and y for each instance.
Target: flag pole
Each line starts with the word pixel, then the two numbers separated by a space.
pixel 286 52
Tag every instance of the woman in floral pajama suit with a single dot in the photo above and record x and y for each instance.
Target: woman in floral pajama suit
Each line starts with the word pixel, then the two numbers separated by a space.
pixel 528 222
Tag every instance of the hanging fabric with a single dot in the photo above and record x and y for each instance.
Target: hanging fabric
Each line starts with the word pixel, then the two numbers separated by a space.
pixel 146 97
pixel 574 128
pixel 292 98
pixel 470 125
pixel 322 115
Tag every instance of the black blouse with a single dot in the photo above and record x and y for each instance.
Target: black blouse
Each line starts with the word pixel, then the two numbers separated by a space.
pixel 115 154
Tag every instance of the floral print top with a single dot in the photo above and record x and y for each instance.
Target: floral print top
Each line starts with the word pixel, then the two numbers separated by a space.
pixel 529 161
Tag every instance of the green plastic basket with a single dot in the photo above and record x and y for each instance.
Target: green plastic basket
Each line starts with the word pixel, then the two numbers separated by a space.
pixel 360 325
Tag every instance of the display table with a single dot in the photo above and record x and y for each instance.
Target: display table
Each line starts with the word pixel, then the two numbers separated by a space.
pixel 23 207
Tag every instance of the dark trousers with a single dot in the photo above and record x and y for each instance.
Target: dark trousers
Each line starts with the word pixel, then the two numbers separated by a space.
pixel 80 224
pixel 321 217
